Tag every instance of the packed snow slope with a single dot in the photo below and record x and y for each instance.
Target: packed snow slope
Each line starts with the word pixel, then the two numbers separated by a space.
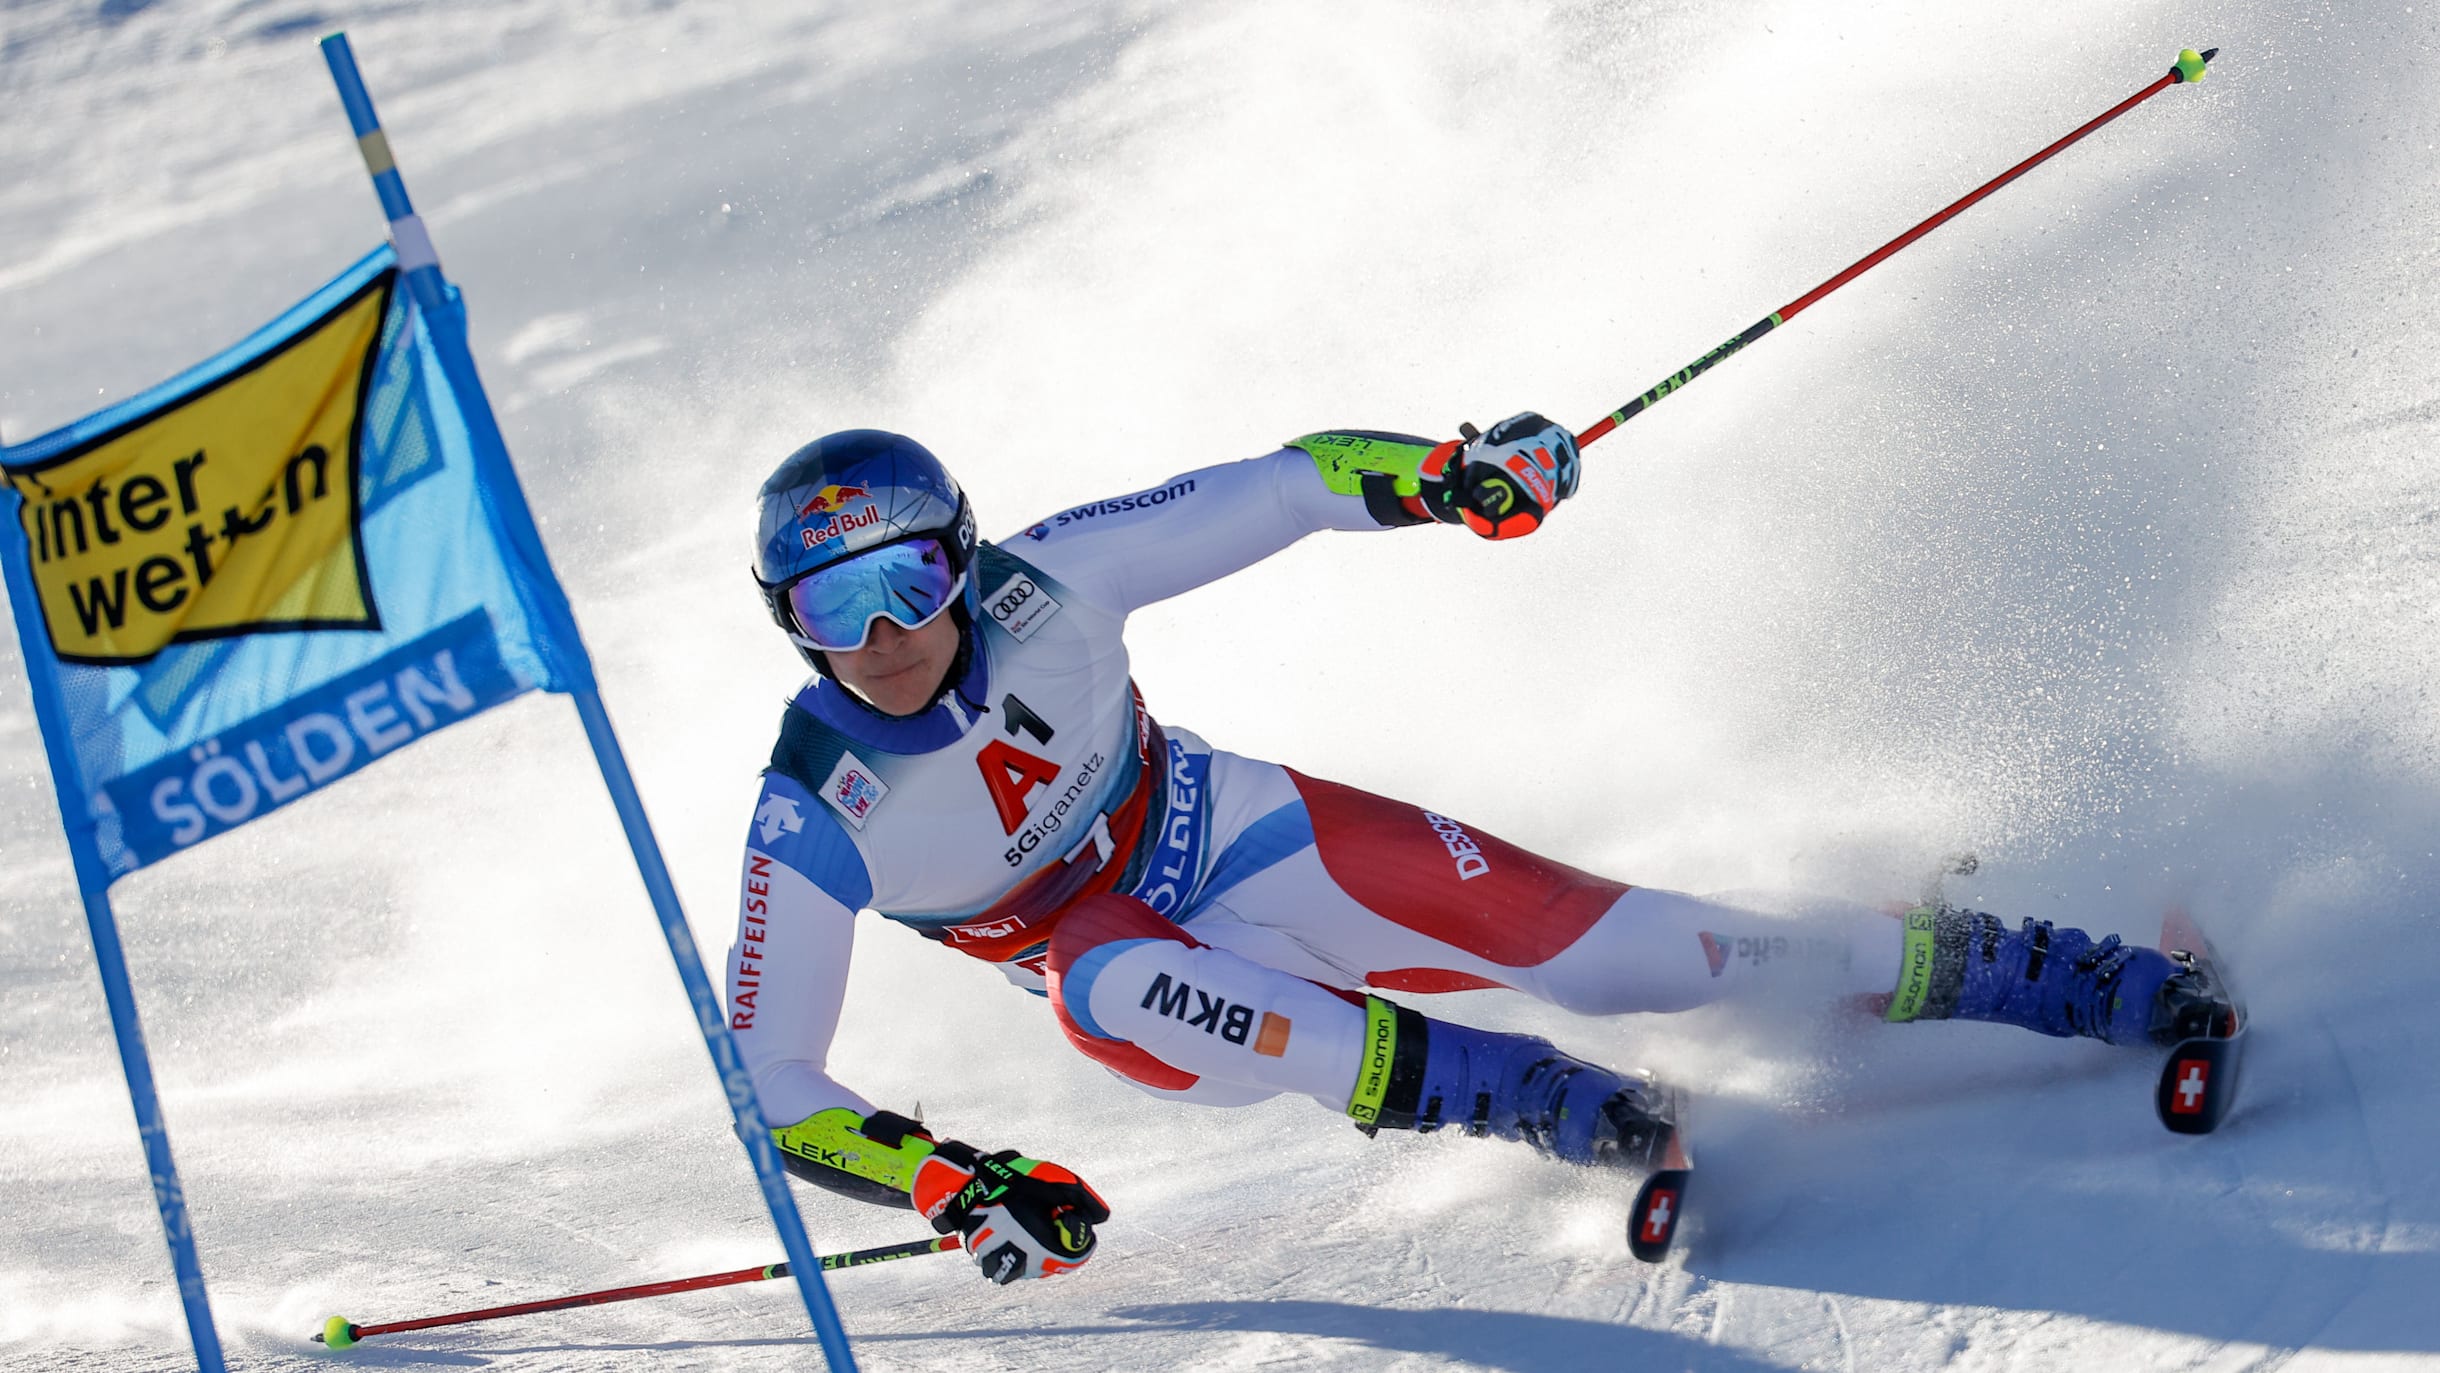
pixel 2095 534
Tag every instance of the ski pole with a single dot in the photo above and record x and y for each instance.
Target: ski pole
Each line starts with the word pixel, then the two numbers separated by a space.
pixel 2190 66
pixel 339 1332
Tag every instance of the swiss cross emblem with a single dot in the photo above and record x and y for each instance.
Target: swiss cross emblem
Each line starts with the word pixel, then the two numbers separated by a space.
pixel 2193 1084
pixel 1658 1215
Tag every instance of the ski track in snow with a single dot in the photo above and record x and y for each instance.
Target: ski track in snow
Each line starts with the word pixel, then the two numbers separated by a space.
pixel 2093 533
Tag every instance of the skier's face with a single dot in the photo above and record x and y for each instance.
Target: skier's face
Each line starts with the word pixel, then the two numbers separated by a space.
pixel 900 670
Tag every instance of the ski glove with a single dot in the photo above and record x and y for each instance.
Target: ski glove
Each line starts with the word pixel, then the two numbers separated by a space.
pixel 1503 484
pixel 1022 1218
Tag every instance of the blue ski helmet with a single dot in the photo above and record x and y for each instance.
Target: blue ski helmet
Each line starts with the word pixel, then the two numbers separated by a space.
pixel 847 494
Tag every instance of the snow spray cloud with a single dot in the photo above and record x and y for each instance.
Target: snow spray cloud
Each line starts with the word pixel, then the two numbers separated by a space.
pixel 1959 563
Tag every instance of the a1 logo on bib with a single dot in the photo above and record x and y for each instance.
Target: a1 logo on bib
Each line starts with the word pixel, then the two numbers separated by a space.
pixel 1020 606
pixel 853 789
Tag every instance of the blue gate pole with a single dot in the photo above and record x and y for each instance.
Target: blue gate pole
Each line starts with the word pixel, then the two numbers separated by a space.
pixel 93 883
pixel 438 301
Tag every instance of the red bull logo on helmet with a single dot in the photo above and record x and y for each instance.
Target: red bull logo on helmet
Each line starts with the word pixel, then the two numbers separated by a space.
pixel 828 517
pixel 831 499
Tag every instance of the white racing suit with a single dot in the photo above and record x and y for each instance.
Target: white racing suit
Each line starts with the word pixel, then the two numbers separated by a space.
pixel 1008 821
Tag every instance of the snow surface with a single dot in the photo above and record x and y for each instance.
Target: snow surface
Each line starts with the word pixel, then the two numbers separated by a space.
pixel 2095 533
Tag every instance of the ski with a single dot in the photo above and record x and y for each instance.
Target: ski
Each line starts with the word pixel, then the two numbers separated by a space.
pixel 2199 1079
pixel 1653 1221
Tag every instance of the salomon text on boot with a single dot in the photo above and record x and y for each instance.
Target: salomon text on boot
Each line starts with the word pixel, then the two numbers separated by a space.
pixel 1965 965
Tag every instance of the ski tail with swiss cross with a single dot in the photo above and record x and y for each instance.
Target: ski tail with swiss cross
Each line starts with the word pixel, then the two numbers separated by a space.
pixel 1652 1223
pixel 2199 1079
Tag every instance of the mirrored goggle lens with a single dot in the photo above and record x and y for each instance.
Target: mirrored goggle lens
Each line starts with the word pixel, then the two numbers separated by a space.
pixel 910 582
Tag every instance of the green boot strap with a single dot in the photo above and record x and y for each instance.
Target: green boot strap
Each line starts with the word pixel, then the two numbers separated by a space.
pixel 1931 964
pixel 1389 1078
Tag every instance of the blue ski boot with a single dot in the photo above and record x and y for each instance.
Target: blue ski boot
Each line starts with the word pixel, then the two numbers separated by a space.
pixel 1966 965
pixel 1422 1074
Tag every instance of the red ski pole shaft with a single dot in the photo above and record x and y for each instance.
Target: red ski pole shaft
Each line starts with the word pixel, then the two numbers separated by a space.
pixel 2190 66
pixel 339 1332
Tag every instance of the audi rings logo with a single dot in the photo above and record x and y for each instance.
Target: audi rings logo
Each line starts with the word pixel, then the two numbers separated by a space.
pixel 1020 606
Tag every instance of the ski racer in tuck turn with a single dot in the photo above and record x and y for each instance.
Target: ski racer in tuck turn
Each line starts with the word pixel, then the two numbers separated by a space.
pixel 971 759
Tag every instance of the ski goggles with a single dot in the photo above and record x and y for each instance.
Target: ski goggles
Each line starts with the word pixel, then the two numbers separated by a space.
pixel 910 582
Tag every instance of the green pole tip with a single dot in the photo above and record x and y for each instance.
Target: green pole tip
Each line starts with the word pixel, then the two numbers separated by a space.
pixel 337 1333
pixel 2192 65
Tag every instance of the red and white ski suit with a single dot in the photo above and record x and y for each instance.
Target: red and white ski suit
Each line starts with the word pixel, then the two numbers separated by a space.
pixel 1199 920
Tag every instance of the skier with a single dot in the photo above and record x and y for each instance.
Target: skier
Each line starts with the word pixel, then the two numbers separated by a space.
pixel 971 759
